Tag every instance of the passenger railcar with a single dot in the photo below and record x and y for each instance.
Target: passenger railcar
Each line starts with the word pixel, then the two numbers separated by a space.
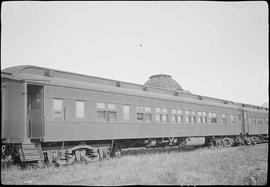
pixel 61 117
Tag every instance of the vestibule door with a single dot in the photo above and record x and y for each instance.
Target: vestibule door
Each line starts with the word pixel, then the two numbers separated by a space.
pixel 35 111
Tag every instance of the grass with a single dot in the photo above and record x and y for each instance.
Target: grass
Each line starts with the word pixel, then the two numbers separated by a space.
pixel 218 166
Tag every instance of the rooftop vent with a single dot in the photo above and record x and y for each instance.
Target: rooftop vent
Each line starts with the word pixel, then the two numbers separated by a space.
pixel 46 72
pixel 117 83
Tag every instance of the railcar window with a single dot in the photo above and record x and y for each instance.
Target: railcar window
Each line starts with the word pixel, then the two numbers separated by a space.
pixel 35 101
pixel 58 107
pixel 266 121
pixel 148 117
pixel 204 117
pixel 158 114
pixel 112 112
pixel 101 111
pixel 148 114
pixel 140 113
pixel 180 116
pixel 140 109
pixel 140 116
pixel 212 118
pixel 111 107
pixel 254 121
pixel 144 113
pixel 232 119
pixel 80 109
pixel 180 119
pixel 179 112
pixel 224 118
pixel 101 105
pixel 126 112
pixel 199 117
pixel 112 116
pixel 188 117
pixel 260 122
pixel 174 116
pixel 101 115
pixel 165 117
pixel 193 118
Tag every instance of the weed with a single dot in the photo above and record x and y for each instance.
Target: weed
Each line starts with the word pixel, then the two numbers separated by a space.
pixel 230 166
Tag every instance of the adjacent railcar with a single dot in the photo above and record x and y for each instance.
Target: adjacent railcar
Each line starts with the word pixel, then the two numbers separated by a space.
pixel 61 117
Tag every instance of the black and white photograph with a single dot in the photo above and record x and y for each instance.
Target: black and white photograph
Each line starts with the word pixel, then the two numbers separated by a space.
pixel 118 93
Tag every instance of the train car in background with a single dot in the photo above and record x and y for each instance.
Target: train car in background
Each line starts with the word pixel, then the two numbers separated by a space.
pixel 62 117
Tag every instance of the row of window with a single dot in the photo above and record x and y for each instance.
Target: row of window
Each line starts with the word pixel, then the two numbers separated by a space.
pixel 108 112
pixel 58 109
pixel 255 121
pixel 161 115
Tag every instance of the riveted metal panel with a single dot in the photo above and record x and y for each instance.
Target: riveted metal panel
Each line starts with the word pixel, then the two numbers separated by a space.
pixel 67 131
pixel 16 116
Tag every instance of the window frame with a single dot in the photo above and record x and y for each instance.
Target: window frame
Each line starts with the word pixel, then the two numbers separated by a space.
pixel 111 109
pixel 232 119
pixel 147 112
pixel 100 110
pixel 126 115
pixel 158 114
pixel 223 118
pixel 61 115
pixel 76 109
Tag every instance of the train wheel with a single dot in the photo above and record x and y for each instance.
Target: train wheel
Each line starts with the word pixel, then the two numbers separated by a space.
pixel 227 142
pixel 61 159
pixel 104 152
pixel 70 159
pixel 60 162
pixel 116 152
pixel 247 140
pixel 218 142
pixel 181 142
pixel 239 141
pixel 253 140
pixel 49 157
pixel 232 141
pixel 92 155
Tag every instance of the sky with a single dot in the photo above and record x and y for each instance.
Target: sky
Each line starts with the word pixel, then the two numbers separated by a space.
pixel 214 49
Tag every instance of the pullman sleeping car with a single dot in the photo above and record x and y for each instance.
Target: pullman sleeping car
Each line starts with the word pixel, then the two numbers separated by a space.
pixel 62 117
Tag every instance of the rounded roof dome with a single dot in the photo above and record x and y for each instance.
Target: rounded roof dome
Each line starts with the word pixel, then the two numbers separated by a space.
pixel 163 81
